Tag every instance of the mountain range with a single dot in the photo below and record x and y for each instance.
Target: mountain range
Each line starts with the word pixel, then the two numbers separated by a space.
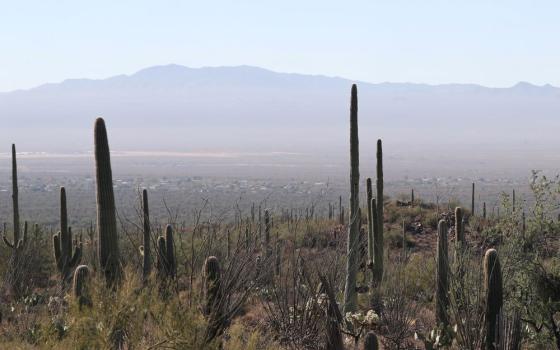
pixel 174 107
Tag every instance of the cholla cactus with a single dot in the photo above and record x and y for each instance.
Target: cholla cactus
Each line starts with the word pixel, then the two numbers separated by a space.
pixel 80 286
pixel 493 295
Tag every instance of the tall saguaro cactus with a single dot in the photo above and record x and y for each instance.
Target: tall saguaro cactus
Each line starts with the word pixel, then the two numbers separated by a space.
pixel 106 213
pixel 378 236
pixel 147 258
pixel 15 196
pixel 350 296
pixel 442 276
pixel 370 208
pixel 493 296
pixel 65 259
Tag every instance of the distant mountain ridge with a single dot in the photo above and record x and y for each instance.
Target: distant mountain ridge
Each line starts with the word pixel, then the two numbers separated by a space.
pixel 243 97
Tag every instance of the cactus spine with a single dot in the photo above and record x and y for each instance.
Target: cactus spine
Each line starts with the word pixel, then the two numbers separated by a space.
pixel 350 296
pixel 378 237
pixel 106 217
pixel 147 258
pixel 371 342
pixel 80 286
pixel 65 259
pixel 442 276
pixel 370 208
pixel 493 296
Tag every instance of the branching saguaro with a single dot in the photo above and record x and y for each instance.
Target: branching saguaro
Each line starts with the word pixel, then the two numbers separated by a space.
pixel 108 242
pixel 65 256
pixel 350 296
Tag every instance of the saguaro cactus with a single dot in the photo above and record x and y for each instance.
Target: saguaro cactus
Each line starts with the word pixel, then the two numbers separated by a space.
pixel 370 208
pixel 145 250
pixel 459 229
pixel 166 263
pixel 212 295
pixel 472 200
pixel 65 259
pixel 378 236
pixel 106 216
pixel 350 296
pixel 493 296
pixel 17 242
pixel 80 286
pixel 371 342
pixel 442 276
pixel 266 242
pixel 15 196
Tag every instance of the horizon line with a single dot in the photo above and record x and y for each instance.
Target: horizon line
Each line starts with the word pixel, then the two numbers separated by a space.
pixel 519 83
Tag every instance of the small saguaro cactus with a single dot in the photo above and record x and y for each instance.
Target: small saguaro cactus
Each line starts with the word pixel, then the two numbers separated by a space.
pixel 493 297
pixel 459 229
pixel 166 264
pixel 484 210
pixel 145 250
pixel 211 284
pixel 350 296
pixel 442 276
pixel 65 260
pixel 106 213
pixel 371 342
pixel 472 200
pixel 80 286
pixel 266 243
pixel 65 256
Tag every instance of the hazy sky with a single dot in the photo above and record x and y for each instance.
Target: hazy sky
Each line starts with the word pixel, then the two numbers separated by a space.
pixel 490 42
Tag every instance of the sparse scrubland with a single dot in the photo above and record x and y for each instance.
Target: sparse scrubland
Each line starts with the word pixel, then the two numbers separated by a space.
pixel 395 273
